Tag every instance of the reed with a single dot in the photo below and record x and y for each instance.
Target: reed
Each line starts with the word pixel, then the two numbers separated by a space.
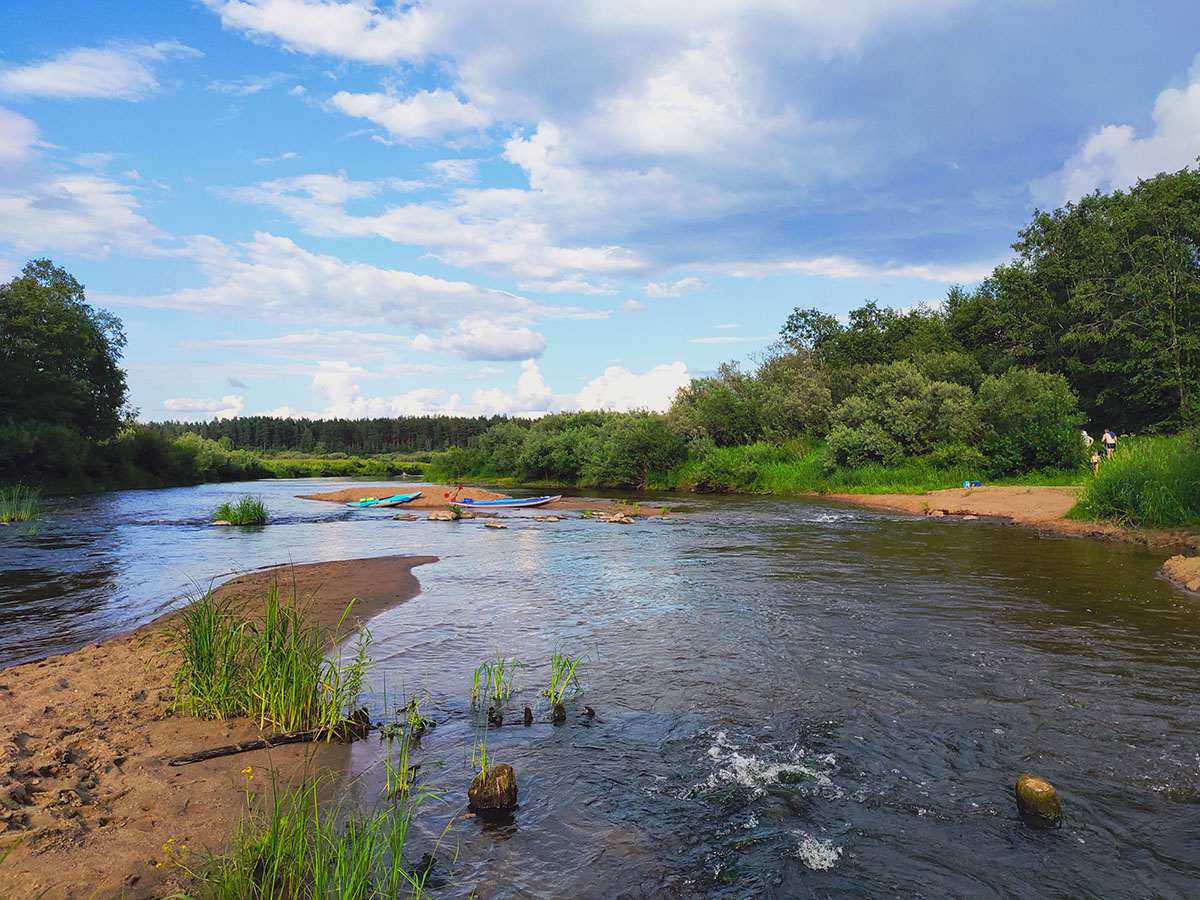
pixel 300 850
pixel 563 677
pixel 246 511
pixel 19 503
pixel 493 680
pixel 273 668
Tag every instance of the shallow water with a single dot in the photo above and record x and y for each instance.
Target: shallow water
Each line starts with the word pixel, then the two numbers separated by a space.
pixel 793 699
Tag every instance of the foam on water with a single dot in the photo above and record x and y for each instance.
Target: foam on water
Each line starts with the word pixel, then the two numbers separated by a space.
pixel 816 853
pixel 736 765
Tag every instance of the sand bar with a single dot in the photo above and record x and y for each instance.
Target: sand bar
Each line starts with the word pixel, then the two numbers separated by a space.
pixel 84 786
pixel 433 496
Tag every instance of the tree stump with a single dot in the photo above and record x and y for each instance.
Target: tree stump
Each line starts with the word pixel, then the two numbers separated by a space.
pixel 493 791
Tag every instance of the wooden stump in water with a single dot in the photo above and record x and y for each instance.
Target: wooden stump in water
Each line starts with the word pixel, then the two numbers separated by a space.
pixel 493 791
pixel 560 713
pixel 1037 801
pixel 528 716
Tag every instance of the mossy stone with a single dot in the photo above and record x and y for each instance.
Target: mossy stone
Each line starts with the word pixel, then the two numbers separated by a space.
pixel 1037 801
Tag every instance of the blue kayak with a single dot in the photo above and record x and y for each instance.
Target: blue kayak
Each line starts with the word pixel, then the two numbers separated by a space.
pixel 394 500
pixel 514 503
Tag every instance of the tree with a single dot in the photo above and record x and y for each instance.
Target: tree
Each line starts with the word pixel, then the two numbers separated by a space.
pixel 59 357
pixel 1029 420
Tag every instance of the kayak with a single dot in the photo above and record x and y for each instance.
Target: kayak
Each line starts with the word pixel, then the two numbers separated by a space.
pixel 394 500
pixel 515 503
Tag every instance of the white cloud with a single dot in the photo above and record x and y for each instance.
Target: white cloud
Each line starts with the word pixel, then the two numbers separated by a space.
pixel 1114 157
pixel 454 171
pixel 633 308
pixel 225 408
pixel 531 398
pixel 245 87
pixel 426 115
pixel 272 278
pixel 18 137
pixel 844 267
pixel 354 30
pixel 477 340
pixel 678 289
pixel 622 390
pixel 336 383
pixel 89 215
pixel 122 71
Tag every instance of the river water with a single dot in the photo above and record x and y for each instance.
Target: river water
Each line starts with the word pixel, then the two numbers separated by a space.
pixel 793 698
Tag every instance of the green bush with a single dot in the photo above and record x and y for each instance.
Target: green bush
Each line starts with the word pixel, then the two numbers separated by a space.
pixel 1028 420
pixel 246 511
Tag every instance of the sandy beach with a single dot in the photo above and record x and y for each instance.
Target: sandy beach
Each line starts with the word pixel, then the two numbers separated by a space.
pixel 433 496
pixel 87 801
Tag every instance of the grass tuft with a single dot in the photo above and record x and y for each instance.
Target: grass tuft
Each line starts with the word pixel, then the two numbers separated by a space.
pixel 273 668
pixel 300 850
pixel 563 677
pixel 493 680
pixel 19 503
pixel 246 511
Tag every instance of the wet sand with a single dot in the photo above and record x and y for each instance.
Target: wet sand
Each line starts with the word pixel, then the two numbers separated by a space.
pixel 86 796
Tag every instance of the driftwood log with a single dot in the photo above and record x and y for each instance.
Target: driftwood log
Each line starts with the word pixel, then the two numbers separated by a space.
pixel 357 726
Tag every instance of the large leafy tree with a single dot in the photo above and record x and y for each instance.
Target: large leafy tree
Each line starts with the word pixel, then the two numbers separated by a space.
pixel 59 357
pixel 1106 292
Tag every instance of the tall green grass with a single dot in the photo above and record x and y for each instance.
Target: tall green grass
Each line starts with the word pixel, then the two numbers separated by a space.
pixel 1151 481
pixel 563 677
pixel 272 668
pixel 19 503
pixel 493 680
pixel 301 850
pixel 246 511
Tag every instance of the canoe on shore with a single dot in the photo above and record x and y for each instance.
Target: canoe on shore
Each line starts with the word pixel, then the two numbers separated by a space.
pixel 513 503
pixel 394 500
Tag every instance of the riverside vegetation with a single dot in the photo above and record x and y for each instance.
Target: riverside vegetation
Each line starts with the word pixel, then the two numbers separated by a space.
pixel 1095 323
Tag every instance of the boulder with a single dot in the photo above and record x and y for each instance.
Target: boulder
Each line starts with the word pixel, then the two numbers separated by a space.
pixel 493 790
pixel 494 525
pixel 404 517
pixel 441 515
pixel 1184 571
pixel 1037 801
pixel 220 522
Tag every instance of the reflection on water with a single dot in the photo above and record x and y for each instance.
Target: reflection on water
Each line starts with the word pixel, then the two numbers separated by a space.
pixel 793 700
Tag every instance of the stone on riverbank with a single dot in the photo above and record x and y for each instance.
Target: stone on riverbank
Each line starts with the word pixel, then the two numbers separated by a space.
pixel 1037 801
pixel 1183 571
pixel 493 791
pixel 441 515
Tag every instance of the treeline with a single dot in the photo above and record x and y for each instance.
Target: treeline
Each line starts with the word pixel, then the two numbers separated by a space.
pixel 1096 322
pixel 406 434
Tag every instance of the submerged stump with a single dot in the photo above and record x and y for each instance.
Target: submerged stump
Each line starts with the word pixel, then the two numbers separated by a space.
pixel 1037 801
pixel 559 714
pixel 493 791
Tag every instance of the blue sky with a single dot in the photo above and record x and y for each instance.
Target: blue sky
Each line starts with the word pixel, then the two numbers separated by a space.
pixel 344 209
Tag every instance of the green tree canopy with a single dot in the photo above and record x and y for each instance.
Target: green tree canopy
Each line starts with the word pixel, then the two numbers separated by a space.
pixel 59 356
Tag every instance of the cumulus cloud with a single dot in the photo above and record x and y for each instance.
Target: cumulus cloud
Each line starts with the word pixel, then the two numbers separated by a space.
pixel 271 277
pixel 845 267
pixel 18 136
pixel 1115 157
pixel 123 71
pixel 678 289
pixel 225 408
pixel 531 398
pixel 425 115
pixel 622 390
pixel 480 340
pixel 89 215
pixel 633 308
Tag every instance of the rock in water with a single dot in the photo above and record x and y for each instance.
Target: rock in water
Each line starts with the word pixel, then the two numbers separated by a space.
pixel 528 716
pixel 493 791
pixel 1037 801
pixel 441 515
pixel 560 713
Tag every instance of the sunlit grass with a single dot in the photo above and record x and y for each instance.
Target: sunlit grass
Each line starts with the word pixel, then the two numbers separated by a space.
pixel 301 850
pixel 564 679
pixel 246 511
pixel 272 668
pixel 493 680
pixel 1151 481
pixel 19 503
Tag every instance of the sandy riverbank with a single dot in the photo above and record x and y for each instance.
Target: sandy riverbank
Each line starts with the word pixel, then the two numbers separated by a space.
pixel 433 496
pixel 1043 508
pixel 84 786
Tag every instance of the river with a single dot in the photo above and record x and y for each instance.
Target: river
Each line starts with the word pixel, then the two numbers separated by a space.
pixel 793 698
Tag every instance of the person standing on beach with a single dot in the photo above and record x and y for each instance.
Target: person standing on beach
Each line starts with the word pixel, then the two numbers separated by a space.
pixel 1110 443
